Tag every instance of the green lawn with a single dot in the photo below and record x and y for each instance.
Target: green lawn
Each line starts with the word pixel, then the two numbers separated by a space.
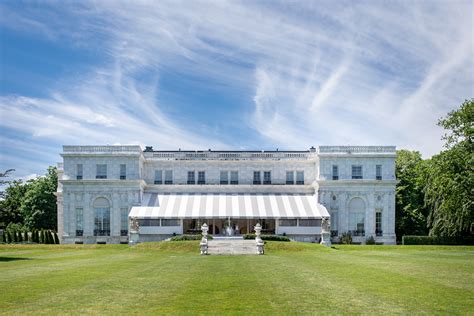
pixel 291 278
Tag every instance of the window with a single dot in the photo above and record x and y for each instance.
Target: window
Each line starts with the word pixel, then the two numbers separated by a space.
pixel 124 221
pixel 299 177
pixel 149 222
pixel 101 217
pixel 378 222
pixel 356 172
pixel 356 223
pixel 378 172
pixel 170 222
pixel 310 222
pixel 335 172
pixel 79 222
pixel 288 222
pixel 158 177
pixel 234 177
pixel 168 176
pixel 191 179
pixel 267 177
pixel 123 171
pixel 289 177
pixel 201 177
pixel 224 177
pixel 101 172
pixel 79 172
pixel 256 177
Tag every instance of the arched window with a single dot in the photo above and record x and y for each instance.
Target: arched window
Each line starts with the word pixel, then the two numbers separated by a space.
pixel 101 217
pixel 357 217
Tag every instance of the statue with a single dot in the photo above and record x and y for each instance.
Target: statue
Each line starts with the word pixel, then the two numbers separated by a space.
pixel 134 224
pixel 203 244
pixel 326 224
pixel 326 231
pixel 258 239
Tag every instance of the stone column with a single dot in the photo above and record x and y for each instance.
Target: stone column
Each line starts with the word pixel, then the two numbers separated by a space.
pixel 370 216
pixel 88 216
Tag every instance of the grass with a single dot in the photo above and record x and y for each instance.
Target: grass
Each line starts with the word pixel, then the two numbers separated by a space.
pixel 291 278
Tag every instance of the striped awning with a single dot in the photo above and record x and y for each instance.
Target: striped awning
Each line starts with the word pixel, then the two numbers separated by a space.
pixel 175 205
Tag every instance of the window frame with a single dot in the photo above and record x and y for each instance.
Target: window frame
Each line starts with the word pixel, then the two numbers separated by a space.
pixel 290 180
pixel 232 179
pixel 191 177
pixel 378 172
pixel 201 177
pixel 168 180
pixel 123 171
pixel 335 172
pixel 100 175
pixel 299 182
pixel 355 175
pixel 224 180
pixel 158 176
pixel 79 171
pixel 267 179
pixel 257 177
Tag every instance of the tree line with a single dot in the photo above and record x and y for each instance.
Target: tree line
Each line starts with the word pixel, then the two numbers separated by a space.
pixel 435 196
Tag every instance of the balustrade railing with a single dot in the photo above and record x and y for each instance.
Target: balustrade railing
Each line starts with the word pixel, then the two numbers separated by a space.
pixel 215 155
pixel 357 149
pixel 100 149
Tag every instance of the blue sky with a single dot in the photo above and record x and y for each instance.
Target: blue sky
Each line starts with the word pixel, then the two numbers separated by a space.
pixel 228 74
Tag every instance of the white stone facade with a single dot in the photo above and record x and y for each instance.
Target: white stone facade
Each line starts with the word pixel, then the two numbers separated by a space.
pixel 365 206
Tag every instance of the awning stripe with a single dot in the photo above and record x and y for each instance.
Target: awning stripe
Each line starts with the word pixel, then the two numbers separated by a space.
pixel 213 205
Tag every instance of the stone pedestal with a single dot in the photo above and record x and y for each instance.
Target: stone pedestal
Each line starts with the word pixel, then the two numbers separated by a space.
pixel 134 237
pixel 326 239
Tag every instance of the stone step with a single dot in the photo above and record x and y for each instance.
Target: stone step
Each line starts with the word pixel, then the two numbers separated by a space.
pixel 232 247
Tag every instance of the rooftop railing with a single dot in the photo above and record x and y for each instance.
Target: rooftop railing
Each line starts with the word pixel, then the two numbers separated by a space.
pixel 102 149
pixel 211 155
pixel 357 149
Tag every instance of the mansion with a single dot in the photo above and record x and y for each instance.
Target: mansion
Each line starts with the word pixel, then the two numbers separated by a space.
pixel 103 189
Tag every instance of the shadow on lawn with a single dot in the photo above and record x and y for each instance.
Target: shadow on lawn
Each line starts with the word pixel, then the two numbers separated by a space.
pixel 6 259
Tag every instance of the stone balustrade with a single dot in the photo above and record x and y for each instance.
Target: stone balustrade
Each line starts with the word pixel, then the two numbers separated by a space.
pixel 216 155
pixel 102 149
pixel 357 149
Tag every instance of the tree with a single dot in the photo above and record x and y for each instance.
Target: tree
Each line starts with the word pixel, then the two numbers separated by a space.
pixel 3 182
pixel 449 189
pixel 10 206
pixel 411 212
pixel 38 206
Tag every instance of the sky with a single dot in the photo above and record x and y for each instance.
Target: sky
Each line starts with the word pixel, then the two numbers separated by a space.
pixel 256 75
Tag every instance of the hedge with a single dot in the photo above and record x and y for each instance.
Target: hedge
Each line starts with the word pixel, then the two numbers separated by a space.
pixel 433 240
pixel 268 237
pixel 188 237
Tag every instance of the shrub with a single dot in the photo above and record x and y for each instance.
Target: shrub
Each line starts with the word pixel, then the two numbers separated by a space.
pixel 370 241
pixel 346 238
pixel 56 238
pixel 437 240
pixel 189 237
pixel 268 237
